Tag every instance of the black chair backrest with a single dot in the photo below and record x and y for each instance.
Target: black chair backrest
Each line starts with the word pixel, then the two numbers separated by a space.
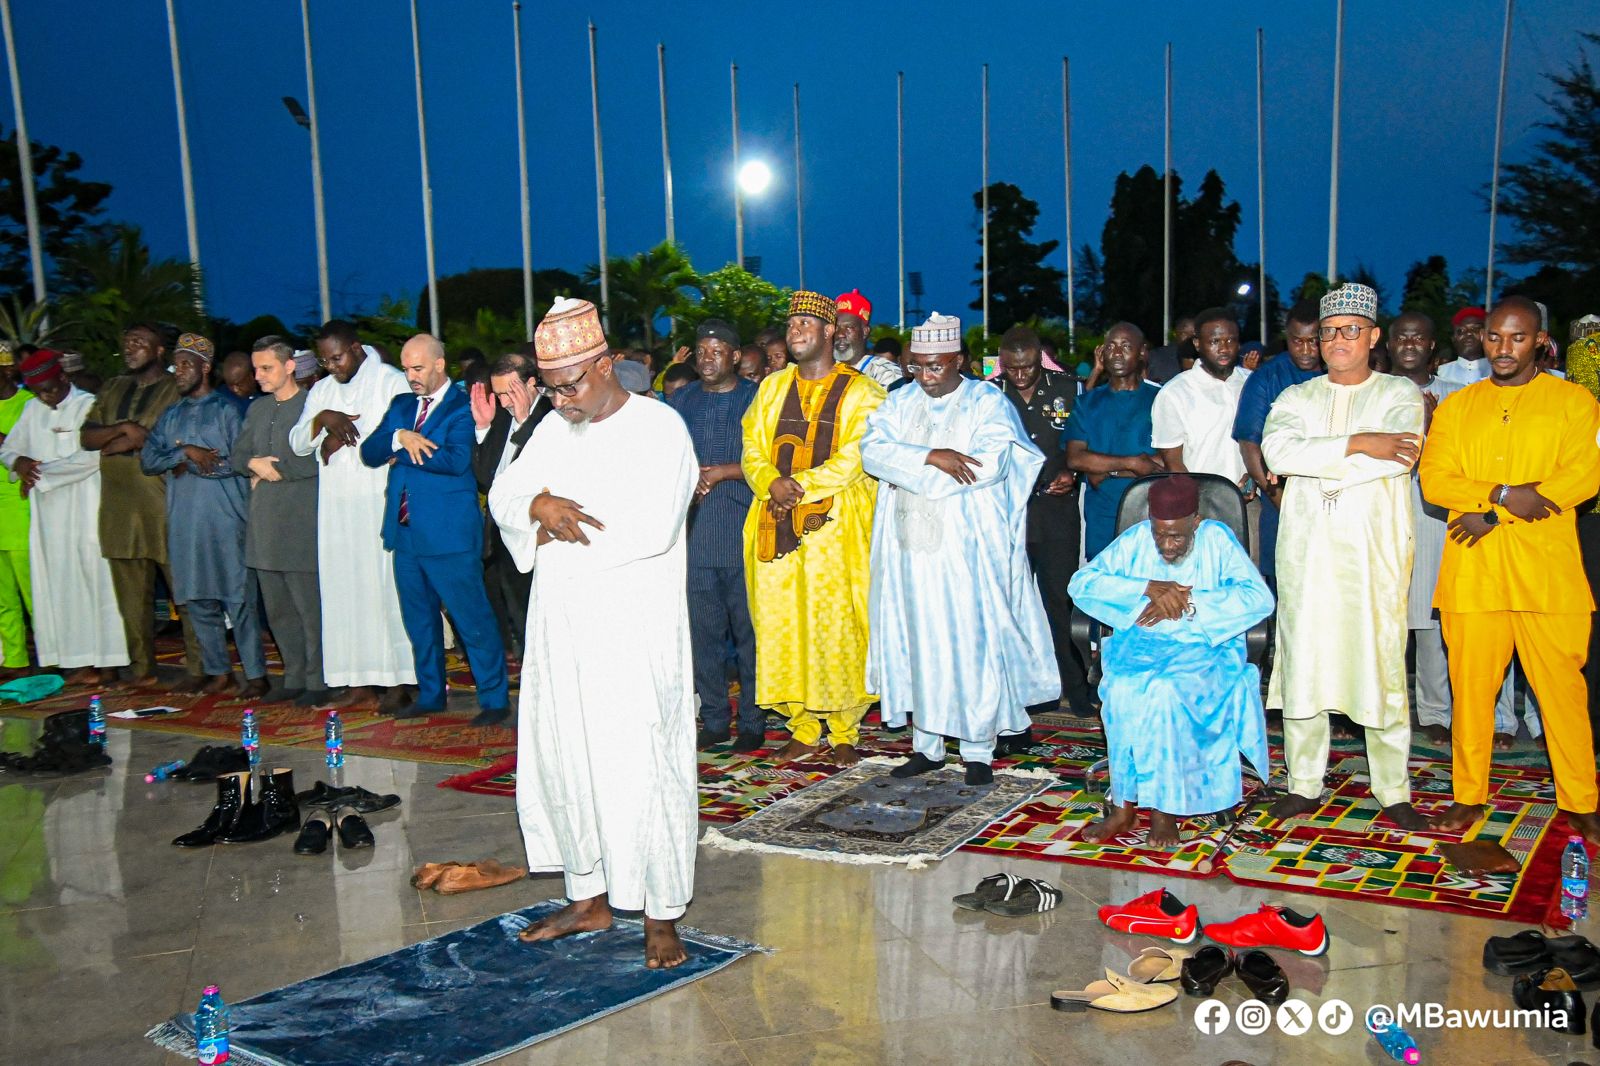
pixel 1220 500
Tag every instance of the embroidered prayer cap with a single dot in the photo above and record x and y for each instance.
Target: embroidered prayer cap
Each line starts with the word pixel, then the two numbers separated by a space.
pixel 1173 497
pixel 717 329
pixel 805 302
pixel 1583 327
pixel 1467 314
pixel 569 334
pixel 72 362
pixel 1350 299
pixel 853 303
pixel 939 335
pixel 40 367
pixel 305 363
pixel 195 344
pixel 7 356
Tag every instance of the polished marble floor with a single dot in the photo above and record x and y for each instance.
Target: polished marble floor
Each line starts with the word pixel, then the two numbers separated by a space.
pixel 106 930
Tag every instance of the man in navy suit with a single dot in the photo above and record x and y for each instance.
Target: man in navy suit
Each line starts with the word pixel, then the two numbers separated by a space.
pixel 432 523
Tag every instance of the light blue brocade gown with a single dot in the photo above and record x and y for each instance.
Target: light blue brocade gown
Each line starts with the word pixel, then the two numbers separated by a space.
pixel 1180 699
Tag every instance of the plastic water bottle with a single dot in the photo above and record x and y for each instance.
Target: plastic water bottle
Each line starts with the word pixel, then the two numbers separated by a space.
pixel 1575 881
pixel 97 722
pixel 250 738
pixel 1397 1044
pixel 211 1028
pixel 333 737
pixel 164 771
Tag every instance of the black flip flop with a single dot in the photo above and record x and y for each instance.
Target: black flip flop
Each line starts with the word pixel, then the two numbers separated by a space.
pixel 1032 896
pixel 993 887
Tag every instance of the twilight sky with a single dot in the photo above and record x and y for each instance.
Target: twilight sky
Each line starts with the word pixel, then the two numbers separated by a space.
pixel 1418 125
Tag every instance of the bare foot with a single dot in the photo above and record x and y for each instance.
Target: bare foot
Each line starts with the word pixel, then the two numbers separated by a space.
pixel 108 678
pixel 1457 818
pixel 1292 806
pixel 350 697
pixel 88 675
pixel 662 948
pixel 191 683
pixel 1586 826
pixel 1122 820
pixel 794 750
pixel 1405 816
pixel 253 689
pixel 1436 734
pixel 1340 727
pixel 219 684
pixel 845 755
pixel 1163 830
pixel 584 916
pixel 394 699
pixel 1504 741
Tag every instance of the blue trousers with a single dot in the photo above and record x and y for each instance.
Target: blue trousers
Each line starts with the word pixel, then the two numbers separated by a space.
pixel 718 609
pixel 1267 550
pixel 454 582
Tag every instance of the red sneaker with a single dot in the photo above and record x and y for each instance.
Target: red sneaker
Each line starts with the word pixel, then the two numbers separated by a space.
pixel 1157 913
pixel 1273 927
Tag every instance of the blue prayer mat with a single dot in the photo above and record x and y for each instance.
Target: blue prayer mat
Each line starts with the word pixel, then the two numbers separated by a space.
pixel 463 998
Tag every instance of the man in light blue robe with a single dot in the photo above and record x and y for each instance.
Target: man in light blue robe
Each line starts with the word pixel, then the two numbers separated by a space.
pixel 960 644
pixel 1180 699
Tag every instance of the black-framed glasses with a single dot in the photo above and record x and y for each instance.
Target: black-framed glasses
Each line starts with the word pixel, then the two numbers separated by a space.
pixel 568 389
pixel 932 370
pixel 1349 331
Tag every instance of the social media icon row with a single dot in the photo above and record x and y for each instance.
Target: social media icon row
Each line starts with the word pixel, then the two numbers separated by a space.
pixel 1293 1017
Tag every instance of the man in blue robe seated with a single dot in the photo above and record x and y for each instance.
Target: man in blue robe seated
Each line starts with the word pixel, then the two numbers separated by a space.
pixel 959 640
pixel 1181 701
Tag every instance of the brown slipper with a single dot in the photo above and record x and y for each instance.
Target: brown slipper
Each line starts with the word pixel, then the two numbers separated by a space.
pixel 428 874
pixel 485 873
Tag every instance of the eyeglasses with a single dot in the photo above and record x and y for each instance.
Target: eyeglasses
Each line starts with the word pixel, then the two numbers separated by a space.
pixel 1349 331
pixel 932 370
pixel 569 388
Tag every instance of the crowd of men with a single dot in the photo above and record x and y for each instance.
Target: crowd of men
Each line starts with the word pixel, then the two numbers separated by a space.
pixel 835 528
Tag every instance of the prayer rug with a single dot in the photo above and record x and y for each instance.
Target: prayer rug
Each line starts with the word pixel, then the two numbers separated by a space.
pixel 497 993
pixel 863 815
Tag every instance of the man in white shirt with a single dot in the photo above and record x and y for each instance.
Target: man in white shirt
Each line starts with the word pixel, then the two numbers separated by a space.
pixel 1191 424
pixel 850 342
pixel 1466 337
pixel 504 414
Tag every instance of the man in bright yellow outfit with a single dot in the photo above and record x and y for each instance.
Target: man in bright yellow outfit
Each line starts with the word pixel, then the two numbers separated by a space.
pixel 807 538
pixel 1512 457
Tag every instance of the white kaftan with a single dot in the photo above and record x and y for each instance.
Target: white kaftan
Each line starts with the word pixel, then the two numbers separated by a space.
pixel 75 618
pixel 356 574
pixel 606 713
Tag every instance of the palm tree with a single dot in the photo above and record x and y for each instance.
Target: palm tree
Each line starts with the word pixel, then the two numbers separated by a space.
pixel 645 287
pixel 110 280
pixel 30 324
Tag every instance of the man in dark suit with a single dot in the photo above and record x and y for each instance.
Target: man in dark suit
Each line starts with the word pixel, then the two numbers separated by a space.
pixel 433 525
pixel 505 412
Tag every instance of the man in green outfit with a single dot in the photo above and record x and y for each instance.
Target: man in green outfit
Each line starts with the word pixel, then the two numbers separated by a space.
pixel 16 586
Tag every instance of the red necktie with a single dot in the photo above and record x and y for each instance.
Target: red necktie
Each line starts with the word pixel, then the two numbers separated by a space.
pixel 405 504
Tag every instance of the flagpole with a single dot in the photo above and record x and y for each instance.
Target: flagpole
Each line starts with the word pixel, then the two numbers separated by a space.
pixel 1166 208
pixel 799 183
pixel 319 208
pixel 666 148
pixel 30 204
pixel 1333 169
pixel 522 174
pixel 1066 153
pixel 900 185
pixel 985 206
pixel 427 185
pixel 1261 178
pixel 738 191
pixel 189 218
pixel 1494 182
pixel 599 178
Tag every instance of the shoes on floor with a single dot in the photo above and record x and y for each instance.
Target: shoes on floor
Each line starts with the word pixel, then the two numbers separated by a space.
pixel 1273 927
pixel 710 738
pixel 412 709
pixel 993 888
pixel 233 797
pixel 1015 743
pixel 323 794
pixel 314 835
pixel 979 773
pixel 472 876
pixel 1158 913
pixel 1550 990
pixel 1117 994
pixel 1156 965
pixel 748 743
pixel 211 762
pixel 914 766
pixel 353 830
pixel 492 717
pixel 1205 969
pixel 1263 977
pixel 1531 950
pixel 1031 896
pixel 272 814
pixel 428 874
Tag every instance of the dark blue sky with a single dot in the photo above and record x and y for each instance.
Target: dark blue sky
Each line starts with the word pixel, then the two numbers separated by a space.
pixel 1418 128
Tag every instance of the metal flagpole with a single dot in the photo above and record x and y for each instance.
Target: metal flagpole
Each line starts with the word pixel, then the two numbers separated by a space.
pixel 738 191
pixel 522 172
pixel 666 148
pixel 1066 152
pixel 427 187
pixel 985 206
pixel 1261 179
pixel 599 180
pixel 318 206
pixel 1494 182
pixel 1333 169
pixel 30 206
pixel 799 186
pixel 1166 209
pixel 900 184
pixel 183 154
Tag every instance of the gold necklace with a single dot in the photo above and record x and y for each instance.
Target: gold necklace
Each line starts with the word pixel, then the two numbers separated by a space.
pixel 1505 408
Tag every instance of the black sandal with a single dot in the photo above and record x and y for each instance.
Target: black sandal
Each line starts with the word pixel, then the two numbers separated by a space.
pixel 1032 896
pixel 993 887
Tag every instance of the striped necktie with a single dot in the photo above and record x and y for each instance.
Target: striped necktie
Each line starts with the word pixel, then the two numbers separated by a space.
pixel 405 504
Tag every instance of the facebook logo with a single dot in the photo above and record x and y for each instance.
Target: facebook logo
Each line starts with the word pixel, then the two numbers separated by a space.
pixel 1211 1017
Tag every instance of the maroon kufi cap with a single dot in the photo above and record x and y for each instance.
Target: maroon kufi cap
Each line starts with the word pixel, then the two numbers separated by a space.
pixel 1173 497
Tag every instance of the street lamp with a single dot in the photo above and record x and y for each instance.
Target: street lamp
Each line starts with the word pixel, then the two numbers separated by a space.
pixel 754 177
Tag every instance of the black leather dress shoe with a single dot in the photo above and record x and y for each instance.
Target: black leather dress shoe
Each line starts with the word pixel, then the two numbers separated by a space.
pixel 416 710
pixel 1203 970
pixel 497 716
pixel 1577 956
pixel 1552 992
pixel 1263 977
pixel 211 762
pixel 1522 952
pixel 274 813
pixel 353 829
pixel 233 800
pixel 314 835
pixel 320 794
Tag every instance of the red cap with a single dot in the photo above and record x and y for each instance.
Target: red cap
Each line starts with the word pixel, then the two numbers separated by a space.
pixel 41 366
pixel 1468 314
pixel 853 303
pixel 1174 497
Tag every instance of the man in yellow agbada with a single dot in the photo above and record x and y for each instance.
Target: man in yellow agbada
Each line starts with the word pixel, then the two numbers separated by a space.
pixel 807 538
pixel 1512 457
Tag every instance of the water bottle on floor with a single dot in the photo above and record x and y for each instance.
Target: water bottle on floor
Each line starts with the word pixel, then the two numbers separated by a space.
pixel 211 1028
pixel 1575 881
pixel 1397 1043
pixel 164 771
pixel 250 738
pixel 333 737
pixel 97 722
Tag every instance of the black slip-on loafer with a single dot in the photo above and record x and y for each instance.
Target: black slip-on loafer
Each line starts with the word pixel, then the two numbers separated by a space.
pixel 353 830
pixel 1263 976
pixel 1577 956
pixel 1204 970
pixel 1519 953
pixel 314 835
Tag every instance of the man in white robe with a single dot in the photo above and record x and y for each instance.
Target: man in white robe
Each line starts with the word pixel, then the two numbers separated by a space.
pixel 959 642
pixel 595 507
pixel 1346 444
pixel 369 649
pixel 76 624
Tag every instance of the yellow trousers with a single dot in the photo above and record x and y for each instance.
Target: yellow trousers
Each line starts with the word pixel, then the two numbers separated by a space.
pixel 805 725
pixel 1552 649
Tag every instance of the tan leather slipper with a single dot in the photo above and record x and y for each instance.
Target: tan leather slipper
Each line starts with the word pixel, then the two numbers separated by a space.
pixel 428 874
pixel 1116 994
pixel 1155 964
pixel 485 873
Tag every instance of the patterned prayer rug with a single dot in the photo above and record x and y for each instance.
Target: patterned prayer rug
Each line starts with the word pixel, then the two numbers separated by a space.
pixel 498 993
pixel 863 815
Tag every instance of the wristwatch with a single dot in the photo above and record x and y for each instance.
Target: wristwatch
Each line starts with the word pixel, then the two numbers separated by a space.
pixel 1491 518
